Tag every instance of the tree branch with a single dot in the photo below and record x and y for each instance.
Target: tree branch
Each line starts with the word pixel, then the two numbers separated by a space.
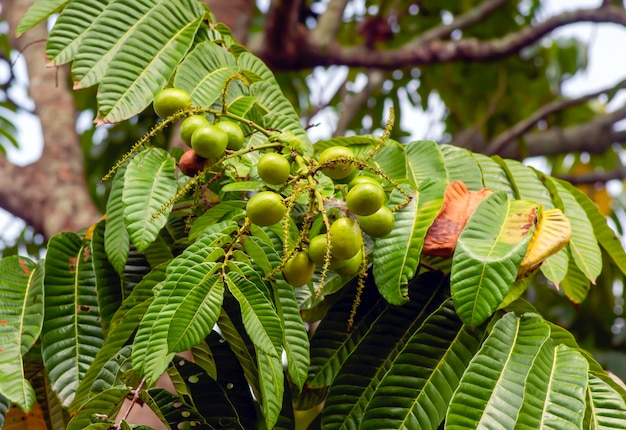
pixel 508 137
pixel 328 24
pixel 353 104
pixel 437 51
pixel 236 14
pixel 595 177
pixel 282 41
pixel 49 194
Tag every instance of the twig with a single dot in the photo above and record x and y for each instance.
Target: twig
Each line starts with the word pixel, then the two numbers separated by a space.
pixel 136 391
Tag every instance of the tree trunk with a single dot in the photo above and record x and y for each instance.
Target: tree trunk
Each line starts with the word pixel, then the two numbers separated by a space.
pixel 49 194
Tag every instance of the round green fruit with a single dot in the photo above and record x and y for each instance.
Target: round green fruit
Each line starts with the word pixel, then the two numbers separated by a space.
pixel 317 252
pixel 273 168
pixel 298 270
pixel 339 169
pixel 363 179
pixel 365 198
pixel 209 141
pixel 235 134
pixel 189 125
pixel 378 224
pixel 170 100
pixel 345 235
pixel 348 178
pixel 265 208
pixel 351 265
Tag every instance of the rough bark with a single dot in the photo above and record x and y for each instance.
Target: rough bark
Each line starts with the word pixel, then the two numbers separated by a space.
pixel 49 194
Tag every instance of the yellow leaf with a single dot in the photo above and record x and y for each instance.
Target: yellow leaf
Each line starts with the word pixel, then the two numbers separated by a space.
pixel 551 235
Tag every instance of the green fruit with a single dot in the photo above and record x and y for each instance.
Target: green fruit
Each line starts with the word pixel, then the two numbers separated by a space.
pixel 317 252
pixel 209 141
pixel 235 134
pixel 351 265
pixel 378 224
pixel 265 208
pixel 273 168
pixel 340 169
pixel 363 179
pixel 171 100
pixel 365 198
pixel 189 125
pixel 298 270
pixel 345 235
pixel 348 178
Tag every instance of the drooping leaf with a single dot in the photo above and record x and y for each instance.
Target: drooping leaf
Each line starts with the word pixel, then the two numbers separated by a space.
pixel 424 375
pixel 116 239
pixel 424 160
pixel 397 255
pixel 491 391
pixel 272 384
pixel 143 65
pixel 488 254
pixel 607 409
pixel 149 183
pixel 21 311
pixel 576 284
pixel 175 410
pixel 494 176
pixel 461 166
pixel 72 334
pixel 105 404
pixel 555 393
pixel 70 28
pixel 37 12
pixel 204 72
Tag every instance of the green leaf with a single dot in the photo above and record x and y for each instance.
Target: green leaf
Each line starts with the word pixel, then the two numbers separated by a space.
pixel 107 403
pixel 424 160
pixel 554 268
pixel 492 388
pixel 70 27
pixel 144 63
pixel 396 256
pixel 424 375
pixel 526 183
pixel 72 334
pixel 258 313
pixel 229 209
pixel 461 166
pixel 575 285
pixel 172 409
pixel 607 408
pixel 374 353
pixel 37 12
pixel 248 62
pixel 583 246
pixel 116 240
pixel 204 72
pixel 271 382
pixel 21 311
pixel 488 254
pixel 555 392
pixel 149 183
pixel 494 176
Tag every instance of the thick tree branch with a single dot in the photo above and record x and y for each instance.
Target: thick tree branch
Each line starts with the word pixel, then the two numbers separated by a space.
pixel 508 137
pixel 328 24
pixel 595 177
pixel 595 137
pixel 50 194
pixel 282 39
pixel 438 51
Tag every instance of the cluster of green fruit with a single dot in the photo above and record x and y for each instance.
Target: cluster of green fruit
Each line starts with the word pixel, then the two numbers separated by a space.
pixel 207 141
pixel 339 249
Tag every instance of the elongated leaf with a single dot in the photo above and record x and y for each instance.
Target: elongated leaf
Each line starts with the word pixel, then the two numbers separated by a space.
pixel 271 382
pixel 424 160
pixel 461 166
pixel 606 405
pixel 39 11
pixel 555 393
pixel 149 183
pixel 575 285
pixel 551 235
pixel 72 334
pixel 116 240
pixel 172 409
pixel 425 374
pixel 375 352
pixel 21 311
pixel 106 404
pixel 488 254
pixel 143 65
pixel 248 62
pixel 604 234
pixel 203 73
pixel 583 247
pixel 491 391
pixel 199 294
pixel 258 314
pixel 70 27
pixel 397 255
pixel 494 176
pixel 555 267
pixel 526 183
